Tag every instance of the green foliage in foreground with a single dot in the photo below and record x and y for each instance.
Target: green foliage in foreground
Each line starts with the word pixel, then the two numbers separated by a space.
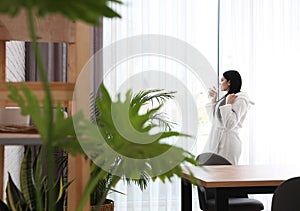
pixel 62 129
pixel 86 10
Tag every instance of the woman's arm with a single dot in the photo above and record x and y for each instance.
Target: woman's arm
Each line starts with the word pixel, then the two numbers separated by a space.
pixel 210 108
pixel 232 113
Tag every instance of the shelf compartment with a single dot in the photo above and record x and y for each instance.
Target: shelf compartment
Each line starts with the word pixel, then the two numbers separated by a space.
pixel 20 139
pixel 61 92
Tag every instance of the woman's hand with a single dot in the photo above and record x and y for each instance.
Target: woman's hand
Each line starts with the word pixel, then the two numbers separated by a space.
pixel 212 92
pixel 230 98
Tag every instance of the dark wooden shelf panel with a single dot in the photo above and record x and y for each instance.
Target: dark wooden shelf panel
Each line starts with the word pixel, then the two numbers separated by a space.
pixel 20 139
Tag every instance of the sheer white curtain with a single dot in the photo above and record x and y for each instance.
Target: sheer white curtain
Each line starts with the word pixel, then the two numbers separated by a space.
pixel 191 21
pixel 261 40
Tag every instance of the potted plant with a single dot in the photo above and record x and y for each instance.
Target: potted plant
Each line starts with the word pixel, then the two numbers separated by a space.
pixel 143 120
pixel 99 200
pixel 33 185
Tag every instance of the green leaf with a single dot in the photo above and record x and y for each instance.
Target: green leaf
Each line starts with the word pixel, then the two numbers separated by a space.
pixel 64 135
pixel 88 10
pixel 44 191
pixel 15 198
pixel 3 206
pixel 37 166
pixel 16 97
pixel 37 169
pixel 27 180
pixel 60 192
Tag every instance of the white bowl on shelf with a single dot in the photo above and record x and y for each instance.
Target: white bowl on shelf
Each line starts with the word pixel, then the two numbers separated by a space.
pixel 13 116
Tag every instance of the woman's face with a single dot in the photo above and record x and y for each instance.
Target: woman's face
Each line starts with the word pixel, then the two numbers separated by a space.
pixel 225 84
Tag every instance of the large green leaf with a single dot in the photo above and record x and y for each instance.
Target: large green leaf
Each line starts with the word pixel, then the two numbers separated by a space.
pixel 15 198
pixel 87 10
pixel 27 180
pixel 63 133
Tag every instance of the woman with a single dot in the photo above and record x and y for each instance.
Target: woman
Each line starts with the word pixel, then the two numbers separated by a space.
pixel 227 116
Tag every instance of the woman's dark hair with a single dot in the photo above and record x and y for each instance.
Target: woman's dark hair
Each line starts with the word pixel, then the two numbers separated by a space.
pixel 235 81
pixel 235 86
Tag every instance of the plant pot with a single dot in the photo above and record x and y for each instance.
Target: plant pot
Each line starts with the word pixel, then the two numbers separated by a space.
pixel 107 206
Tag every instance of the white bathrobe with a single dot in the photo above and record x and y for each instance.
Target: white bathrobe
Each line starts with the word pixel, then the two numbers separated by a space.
pixel 224 137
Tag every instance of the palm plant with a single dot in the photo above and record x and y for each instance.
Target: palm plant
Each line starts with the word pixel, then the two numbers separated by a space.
pixel 111 119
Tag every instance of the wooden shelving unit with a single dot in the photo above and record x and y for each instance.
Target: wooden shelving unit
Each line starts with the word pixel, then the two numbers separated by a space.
pixel 53 28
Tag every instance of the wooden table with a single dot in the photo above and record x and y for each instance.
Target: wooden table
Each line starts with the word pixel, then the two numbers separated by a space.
pixel 228 180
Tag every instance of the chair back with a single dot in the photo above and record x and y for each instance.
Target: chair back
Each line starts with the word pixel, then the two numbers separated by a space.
pixel 208 158
pixel 286 196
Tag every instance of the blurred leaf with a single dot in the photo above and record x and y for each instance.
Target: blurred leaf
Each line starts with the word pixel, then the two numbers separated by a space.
pixel 63 132
pixel 29 106
pixel 88 11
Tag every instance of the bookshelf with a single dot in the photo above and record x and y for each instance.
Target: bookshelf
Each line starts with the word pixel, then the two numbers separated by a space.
pixel 54 28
